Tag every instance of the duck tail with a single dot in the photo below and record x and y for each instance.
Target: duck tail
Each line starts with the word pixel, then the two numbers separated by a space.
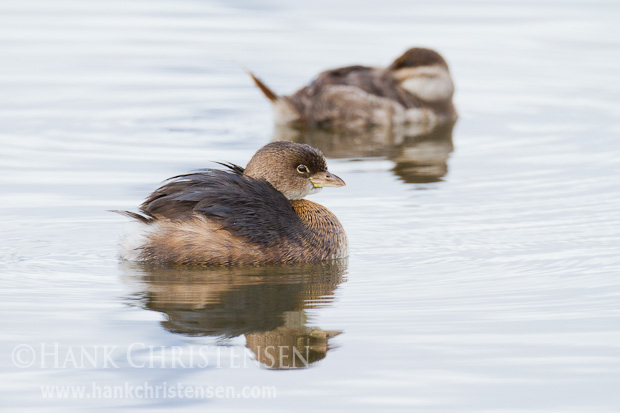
pixel 270 94
pixel 285 111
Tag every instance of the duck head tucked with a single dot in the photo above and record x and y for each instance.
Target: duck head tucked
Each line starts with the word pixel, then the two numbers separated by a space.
pixel 296 170
pixel 255 215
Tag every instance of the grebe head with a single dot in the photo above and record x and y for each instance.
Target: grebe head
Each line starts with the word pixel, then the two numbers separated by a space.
pixel 294 169
pixel 423 73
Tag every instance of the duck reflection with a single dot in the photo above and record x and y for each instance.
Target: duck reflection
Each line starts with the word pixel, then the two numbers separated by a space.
pixel 420 152
pixel 267 304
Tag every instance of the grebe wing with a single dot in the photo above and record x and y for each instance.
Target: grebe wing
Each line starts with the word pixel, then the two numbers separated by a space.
pixel 246 207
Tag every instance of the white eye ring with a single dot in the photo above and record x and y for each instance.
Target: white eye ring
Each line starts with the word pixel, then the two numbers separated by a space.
pixel 302 169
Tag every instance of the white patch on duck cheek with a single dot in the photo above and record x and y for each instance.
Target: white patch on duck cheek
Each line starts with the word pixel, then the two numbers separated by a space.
pixel 429 83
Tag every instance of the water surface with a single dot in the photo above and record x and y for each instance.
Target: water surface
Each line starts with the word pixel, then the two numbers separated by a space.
pixel 483 274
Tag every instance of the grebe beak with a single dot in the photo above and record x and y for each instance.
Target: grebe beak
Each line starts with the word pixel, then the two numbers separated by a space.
pixel 323 179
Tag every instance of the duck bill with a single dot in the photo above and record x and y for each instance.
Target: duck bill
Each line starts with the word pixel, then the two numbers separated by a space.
pixel 324 179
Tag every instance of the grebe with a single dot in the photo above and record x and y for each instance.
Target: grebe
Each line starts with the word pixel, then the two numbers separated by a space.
pixel 255 215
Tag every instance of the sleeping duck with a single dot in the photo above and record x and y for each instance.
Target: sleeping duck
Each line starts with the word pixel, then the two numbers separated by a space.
pixel 255 215
pixel 416 88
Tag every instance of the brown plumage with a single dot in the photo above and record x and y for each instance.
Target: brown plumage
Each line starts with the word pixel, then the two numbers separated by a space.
pixel 254 215
pixel 415 88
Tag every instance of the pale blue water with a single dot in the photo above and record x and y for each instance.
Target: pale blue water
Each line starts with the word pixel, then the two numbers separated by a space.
pixel 481 279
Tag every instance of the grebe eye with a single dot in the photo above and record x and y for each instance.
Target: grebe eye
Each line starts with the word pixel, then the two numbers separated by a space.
pixel 302 169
